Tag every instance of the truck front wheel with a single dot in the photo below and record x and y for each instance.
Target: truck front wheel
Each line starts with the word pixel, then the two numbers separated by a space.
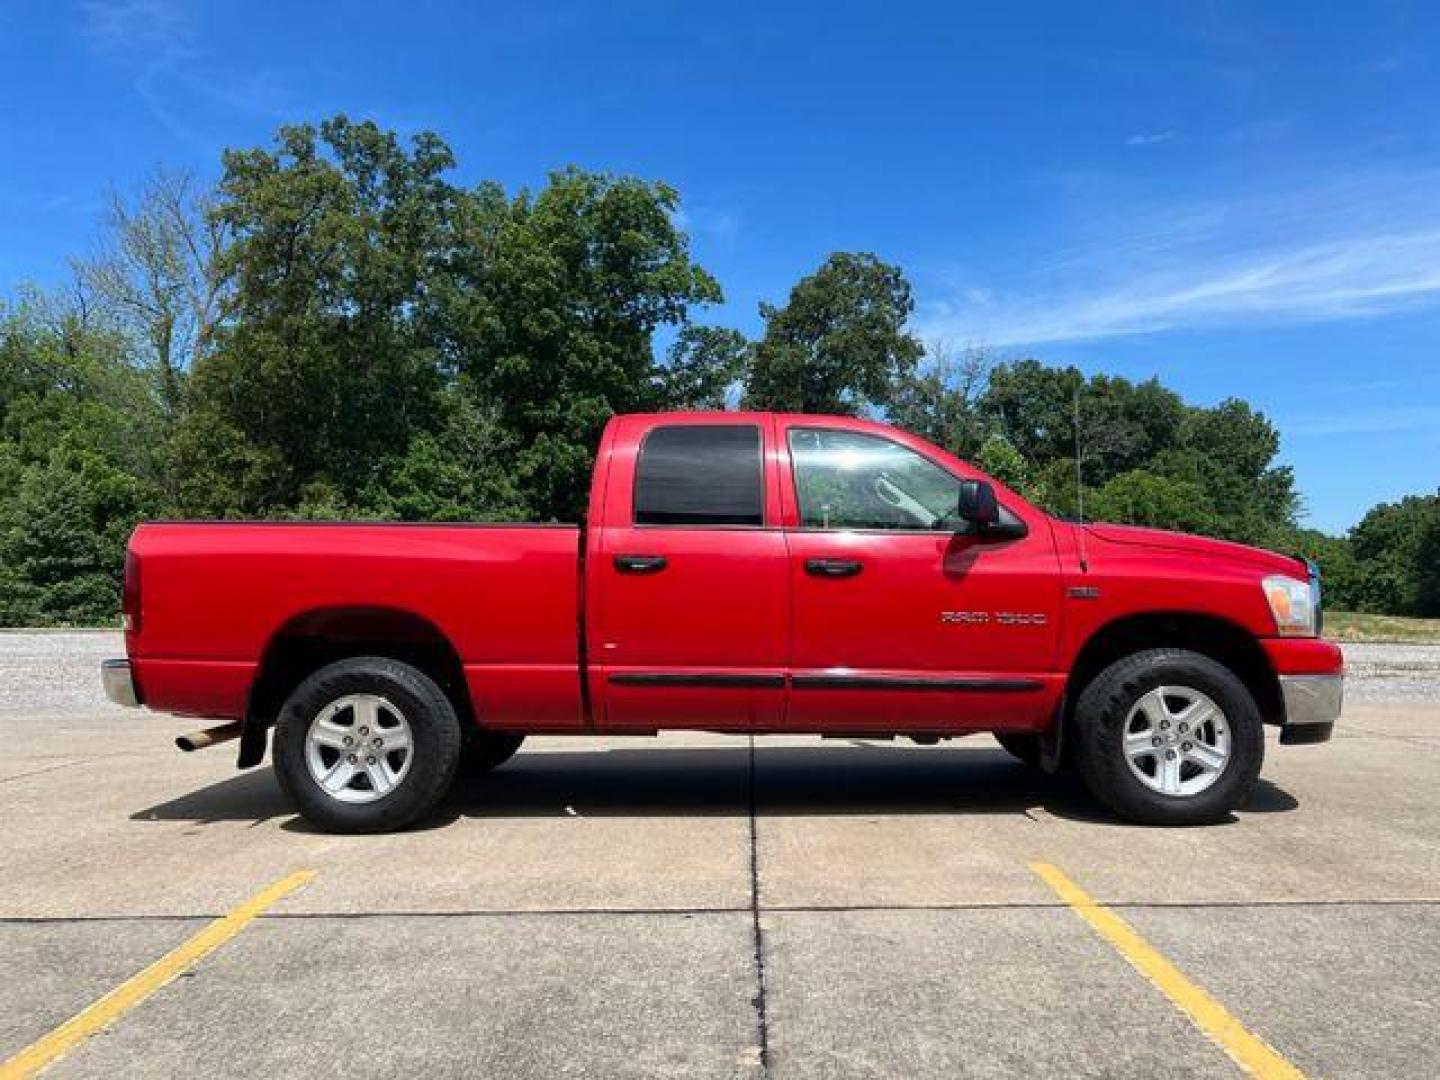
pixel 1169 737
pixel 366 745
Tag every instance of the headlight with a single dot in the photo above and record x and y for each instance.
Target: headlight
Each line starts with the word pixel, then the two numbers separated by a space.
pixel 1292 603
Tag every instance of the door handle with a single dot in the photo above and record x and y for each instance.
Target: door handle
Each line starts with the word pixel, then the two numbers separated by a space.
pixel 833 567
pixel 640 564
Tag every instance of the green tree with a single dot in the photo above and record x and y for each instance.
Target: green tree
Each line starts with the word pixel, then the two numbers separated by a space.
pixel 1427 568
pixel 839 343
pixel 940 400
pixel 1394 545
pixel 79 432
pixel 703 363
pixel 551 307
pixel 156 273
pixel 1148 457
pixel 62 539
pixel 458 473
pixel 1229 450
pixel 323 367
pixel 1139 497
pixel 1121 425
pixel 1341 573
pixel 1002 461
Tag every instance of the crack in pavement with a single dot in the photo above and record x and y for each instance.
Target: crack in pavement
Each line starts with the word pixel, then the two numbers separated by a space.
pixel 1369 733
pixel 79 761
pixel 47 769
pixel 751 910
pixel 762 1020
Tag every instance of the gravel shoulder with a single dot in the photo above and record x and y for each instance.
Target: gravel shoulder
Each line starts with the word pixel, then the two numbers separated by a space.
pixel 1392 672
pixel 56 672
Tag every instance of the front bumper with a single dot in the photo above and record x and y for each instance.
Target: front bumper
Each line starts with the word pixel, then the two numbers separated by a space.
pixel 119 683
pixel 1312 705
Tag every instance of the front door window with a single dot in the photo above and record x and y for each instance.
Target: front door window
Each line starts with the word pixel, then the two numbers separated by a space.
pixel 848 480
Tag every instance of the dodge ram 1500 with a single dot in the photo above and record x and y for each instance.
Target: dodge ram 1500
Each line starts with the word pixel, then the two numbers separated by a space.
pixel 737 572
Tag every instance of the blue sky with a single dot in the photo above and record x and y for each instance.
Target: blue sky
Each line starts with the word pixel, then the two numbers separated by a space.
pixel 1239 198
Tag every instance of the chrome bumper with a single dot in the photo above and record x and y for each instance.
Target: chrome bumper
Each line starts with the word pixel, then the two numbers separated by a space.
pixel 1312 705
pixel 119 684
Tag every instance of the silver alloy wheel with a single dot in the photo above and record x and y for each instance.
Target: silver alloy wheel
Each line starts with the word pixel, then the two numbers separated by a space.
pixel 358 748
pixel 1177 741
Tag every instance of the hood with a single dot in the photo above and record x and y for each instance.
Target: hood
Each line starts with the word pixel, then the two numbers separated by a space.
pixel 1203 546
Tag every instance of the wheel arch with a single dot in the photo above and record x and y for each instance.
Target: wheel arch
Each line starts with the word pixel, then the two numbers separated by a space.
pixel 1219 639
pixel 320 636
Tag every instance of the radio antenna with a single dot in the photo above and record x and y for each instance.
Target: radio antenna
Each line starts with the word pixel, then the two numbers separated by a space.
pixel 1079 489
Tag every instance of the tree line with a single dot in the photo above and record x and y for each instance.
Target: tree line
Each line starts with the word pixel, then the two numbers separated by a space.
pixel 338 330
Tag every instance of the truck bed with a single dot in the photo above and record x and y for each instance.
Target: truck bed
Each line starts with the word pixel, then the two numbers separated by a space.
pixel 218 595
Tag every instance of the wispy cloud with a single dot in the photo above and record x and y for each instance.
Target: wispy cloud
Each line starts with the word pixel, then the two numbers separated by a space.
pixel 180 83
pixel 714 222
pixel 1360 246
pixel 125 26
pixel 1368 422
pixel 66 203
pixel 1149 138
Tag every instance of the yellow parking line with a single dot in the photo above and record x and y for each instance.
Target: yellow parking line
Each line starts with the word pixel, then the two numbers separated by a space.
pixel 1249 1051
pixel 133 991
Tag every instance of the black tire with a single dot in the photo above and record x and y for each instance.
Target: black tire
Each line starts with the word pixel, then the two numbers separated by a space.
pixel 486 751
pixel 1023 748
pixel 435 745
pixel 1101 715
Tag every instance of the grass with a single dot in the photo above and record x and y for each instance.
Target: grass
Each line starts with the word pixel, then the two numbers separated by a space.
pixel 1391 629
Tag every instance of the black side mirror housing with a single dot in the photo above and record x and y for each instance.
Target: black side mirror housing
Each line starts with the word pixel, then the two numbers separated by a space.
pixel 977 504
pixel 980 510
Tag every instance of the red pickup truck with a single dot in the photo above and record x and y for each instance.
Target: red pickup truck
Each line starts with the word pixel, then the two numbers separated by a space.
pixel 738 572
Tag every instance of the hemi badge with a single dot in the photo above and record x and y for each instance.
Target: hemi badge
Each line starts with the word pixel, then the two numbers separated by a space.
pixel 1084 592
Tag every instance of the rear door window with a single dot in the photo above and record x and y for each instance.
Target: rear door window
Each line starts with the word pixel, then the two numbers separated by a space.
pixel 700 474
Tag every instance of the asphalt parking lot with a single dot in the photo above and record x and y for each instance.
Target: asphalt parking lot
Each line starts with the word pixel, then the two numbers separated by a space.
pixel 696 906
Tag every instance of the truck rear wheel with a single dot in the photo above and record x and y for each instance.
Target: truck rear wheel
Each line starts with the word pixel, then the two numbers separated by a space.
pixel 486 751
pixel 366 745
pixel 1169 737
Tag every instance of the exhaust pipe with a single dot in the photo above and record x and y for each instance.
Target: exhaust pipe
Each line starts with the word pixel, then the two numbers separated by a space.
pixel 199 740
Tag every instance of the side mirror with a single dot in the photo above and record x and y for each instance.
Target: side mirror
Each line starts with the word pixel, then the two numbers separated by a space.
pixel 977 504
